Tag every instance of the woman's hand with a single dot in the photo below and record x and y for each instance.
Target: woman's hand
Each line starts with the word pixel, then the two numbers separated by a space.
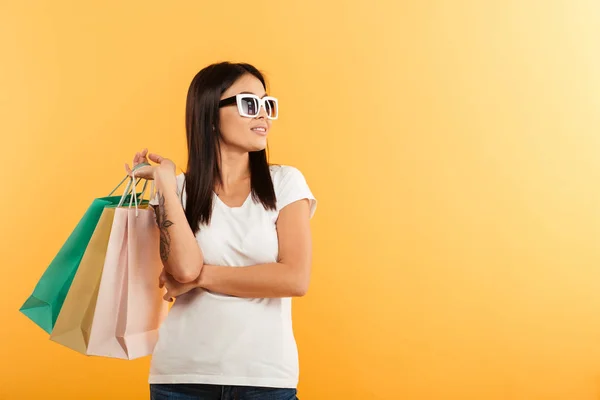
pixel 174 288
pixel 165 167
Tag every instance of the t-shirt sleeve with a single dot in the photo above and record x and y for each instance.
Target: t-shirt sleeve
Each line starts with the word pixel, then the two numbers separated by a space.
pixel 292 186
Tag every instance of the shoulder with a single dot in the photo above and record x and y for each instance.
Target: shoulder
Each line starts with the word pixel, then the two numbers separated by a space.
pixel 290 185
pixel 282 174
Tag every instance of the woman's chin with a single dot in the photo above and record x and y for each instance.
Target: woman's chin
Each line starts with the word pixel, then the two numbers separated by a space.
pixel 258 145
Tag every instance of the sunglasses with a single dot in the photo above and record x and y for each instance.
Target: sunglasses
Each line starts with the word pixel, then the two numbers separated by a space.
pixel 249 105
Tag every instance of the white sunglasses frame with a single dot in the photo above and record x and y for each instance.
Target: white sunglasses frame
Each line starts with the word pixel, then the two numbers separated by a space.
pixel 262 103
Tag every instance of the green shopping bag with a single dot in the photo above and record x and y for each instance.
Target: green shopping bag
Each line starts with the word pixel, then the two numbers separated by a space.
pixel 44 304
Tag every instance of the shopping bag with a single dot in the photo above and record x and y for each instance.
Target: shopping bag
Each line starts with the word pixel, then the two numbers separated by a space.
pixel 48 296
pixel 130 306
pixel 72 328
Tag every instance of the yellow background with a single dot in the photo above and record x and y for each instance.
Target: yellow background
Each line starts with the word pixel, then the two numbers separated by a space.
pixel 454 147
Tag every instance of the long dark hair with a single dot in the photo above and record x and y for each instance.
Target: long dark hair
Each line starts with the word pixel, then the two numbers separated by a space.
pixel 203 140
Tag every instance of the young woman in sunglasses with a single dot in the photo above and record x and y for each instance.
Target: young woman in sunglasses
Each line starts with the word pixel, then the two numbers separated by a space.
pixel 235 244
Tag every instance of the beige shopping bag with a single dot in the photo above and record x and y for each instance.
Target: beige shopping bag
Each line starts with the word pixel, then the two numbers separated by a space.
pixel 73 324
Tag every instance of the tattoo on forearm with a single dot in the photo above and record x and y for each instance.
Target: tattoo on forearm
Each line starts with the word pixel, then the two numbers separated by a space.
pixel 163 225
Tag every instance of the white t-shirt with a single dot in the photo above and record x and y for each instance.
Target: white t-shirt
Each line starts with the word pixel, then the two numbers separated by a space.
pixel 217 339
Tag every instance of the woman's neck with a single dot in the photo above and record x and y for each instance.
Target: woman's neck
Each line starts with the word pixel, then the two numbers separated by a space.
pixel 235 168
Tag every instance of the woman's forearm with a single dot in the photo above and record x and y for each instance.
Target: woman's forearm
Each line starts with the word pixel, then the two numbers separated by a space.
pixel 256 281
pixel 179 250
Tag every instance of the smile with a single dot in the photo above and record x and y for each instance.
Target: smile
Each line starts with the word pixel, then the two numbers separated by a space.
pixel 260 130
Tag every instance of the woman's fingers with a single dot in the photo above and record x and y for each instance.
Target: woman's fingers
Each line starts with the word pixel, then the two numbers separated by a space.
pixel 143 172
pixel 140 157
pixel 156 158
pixel 143 156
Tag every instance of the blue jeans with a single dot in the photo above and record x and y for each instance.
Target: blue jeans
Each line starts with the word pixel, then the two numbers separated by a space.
pixel 218 392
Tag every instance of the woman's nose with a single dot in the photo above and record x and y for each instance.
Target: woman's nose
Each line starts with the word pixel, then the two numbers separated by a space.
pixel 262 113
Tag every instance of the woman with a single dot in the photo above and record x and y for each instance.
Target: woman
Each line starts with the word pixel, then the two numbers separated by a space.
pixel 235 244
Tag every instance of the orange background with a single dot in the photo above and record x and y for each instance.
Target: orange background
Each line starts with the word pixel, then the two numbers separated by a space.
pixel 454 147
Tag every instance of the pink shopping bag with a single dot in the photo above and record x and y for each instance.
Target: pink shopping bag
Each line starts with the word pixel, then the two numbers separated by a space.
pixel 130 305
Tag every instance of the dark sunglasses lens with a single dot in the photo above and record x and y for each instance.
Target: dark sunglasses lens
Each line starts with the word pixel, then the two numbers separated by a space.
pixel 250 105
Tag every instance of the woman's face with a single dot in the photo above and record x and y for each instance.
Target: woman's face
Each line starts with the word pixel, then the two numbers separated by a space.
pixel 243 133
